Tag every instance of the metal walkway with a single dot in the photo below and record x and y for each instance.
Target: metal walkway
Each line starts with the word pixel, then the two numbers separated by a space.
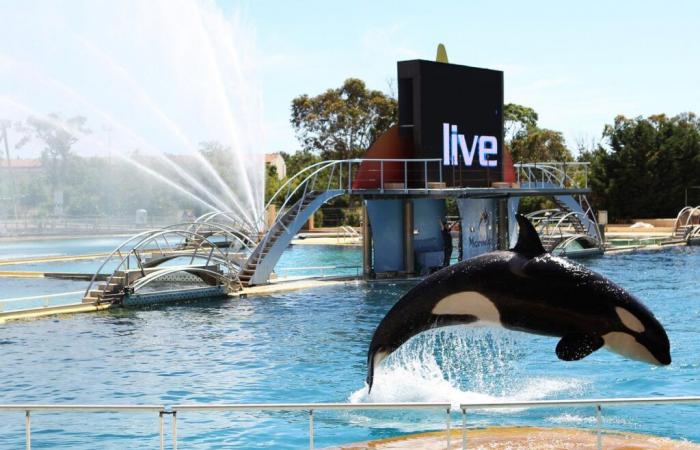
pixel 227 253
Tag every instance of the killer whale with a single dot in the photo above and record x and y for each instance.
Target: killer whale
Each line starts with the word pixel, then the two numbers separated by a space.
pixel 526 289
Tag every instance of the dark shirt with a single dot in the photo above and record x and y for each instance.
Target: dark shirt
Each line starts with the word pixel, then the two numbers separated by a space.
pixel 446 238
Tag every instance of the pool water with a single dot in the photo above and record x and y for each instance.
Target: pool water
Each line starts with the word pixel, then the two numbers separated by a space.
pixel 310 346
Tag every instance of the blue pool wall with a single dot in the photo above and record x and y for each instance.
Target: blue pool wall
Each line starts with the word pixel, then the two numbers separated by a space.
pixel 386 220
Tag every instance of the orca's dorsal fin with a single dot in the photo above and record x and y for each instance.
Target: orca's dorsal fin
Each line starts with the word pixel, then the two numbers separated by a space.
pixel 529 243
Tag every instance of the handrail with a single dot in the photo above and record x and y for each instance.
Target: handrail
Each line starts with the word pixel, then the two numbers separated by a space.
pixel 175 410
pixel 207 220
pixel 308 406
pixel 79 408
pixel 551 171
pixel 580 402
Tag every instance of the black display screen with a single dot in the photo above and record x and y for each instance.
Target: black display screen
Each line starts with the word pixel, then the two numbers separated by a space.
pixel 454 113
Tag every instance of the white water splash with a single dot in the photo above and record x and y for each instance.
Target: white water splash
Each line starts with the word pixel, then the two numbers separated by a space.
pixel 461 365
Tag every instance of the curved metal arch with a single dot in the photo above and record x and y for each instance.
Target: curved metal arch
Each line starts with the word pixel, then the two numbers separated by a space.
pixel 567 215
pixel 204 216
pixel 693 212
pixel 680 215
pixel 297 175
pixel 250 245
pixel 142 282
pixel 156 262
pixel 541 212
pixel 150 236
pixel 695 232
pixel 114 252
pixel 230 215
pixel 328 164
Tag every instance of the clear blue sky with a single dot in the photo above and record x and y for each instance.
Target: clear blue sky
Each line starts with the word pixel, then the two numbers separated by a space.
pixel 577 63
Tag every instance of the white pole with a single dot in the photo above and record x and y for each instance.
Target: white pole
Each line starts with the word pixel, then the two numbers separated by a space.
pixel 599 421
pixel 28 430
pixel 311 429
pixel 174 430
pixel 449 429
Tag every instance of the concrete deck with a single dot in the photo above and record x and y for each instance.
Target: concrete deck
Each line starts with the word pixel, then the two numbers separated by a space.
pixel 281 285
pixel 522 438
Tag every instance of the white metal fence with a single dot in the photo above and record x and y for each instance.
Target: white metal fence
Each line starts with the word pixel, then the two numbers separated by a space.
pixel 176 411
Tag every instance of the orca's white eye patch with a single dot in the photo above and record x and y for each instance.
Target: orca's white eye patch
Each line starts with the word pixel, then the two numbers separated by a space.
pixel 629 320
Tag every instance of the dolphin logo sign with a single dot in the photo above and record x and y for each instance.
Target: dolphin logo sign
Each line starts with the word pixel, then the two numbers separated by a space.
pixel 453 143
pixel 526 289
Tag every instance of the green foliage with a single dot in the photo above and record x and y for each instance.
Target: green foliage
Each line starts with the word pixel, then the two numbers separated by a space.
pixel 649 163
pixel 298 161
pixel 342 123
pixel 518 118
pixel 529 143
pixel 272 182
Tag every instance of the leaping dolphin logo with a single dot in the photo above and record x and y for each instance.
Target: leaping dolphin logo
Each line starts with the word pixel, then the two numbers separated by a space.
pixel 526 289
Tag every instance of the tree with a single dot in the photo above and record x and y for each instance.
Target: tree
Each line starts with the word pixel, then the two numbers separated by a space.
pixel 529 143
pixel 518 119
pixel 5 125
pixel 342 123
pixel 539 145
pixel 58 136
pixel 646 165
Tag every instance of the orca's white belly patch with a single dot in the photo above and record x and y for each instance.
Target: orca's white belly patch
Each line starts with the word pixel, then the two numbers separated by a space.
pixel 626 345
pixel 469 302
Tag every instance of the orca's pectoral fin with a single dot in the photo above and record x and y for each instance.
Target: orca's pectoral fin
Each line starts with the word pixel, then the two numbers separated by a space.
pixel 573 347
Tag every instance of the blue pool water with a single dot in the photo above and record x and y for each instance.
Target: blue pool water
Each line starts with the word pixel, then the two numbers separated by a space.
pixel 310 346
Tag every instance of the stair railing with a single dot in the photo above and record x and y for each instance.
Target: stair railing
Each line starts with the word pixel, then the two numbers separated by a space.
pixel 592 220
pixel 556 173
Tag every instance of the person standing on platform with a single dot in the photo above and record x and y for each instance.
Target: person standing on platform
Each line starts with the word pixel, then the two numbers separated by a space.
pixel 446 243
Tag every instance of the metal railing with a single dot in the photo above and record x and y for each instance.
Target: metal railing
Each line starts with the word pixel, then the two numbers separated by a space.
pixel 323 269
pixel 341 173
pixel 178 410
pixel 46 301
pixel 312 407
pixel 346 176
pixel 29 409
pixel 560 174
pixel 155 242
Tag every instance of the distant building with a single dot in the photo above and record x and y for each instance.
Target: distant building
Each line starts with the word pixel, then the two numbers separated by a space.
pixel 20 165
pixel 275 159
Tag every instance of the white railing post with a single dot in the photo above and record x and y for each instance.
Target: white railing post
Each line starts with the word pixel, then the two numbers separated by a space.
pixel 464 429
pixel 28 430
pixel 405 175
pixel 425 174
pixel 381 176
pixel 350 177
pixel 311 429
pixel 160 430
pixel 599 424
pixel 449 429
pixel 174 432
